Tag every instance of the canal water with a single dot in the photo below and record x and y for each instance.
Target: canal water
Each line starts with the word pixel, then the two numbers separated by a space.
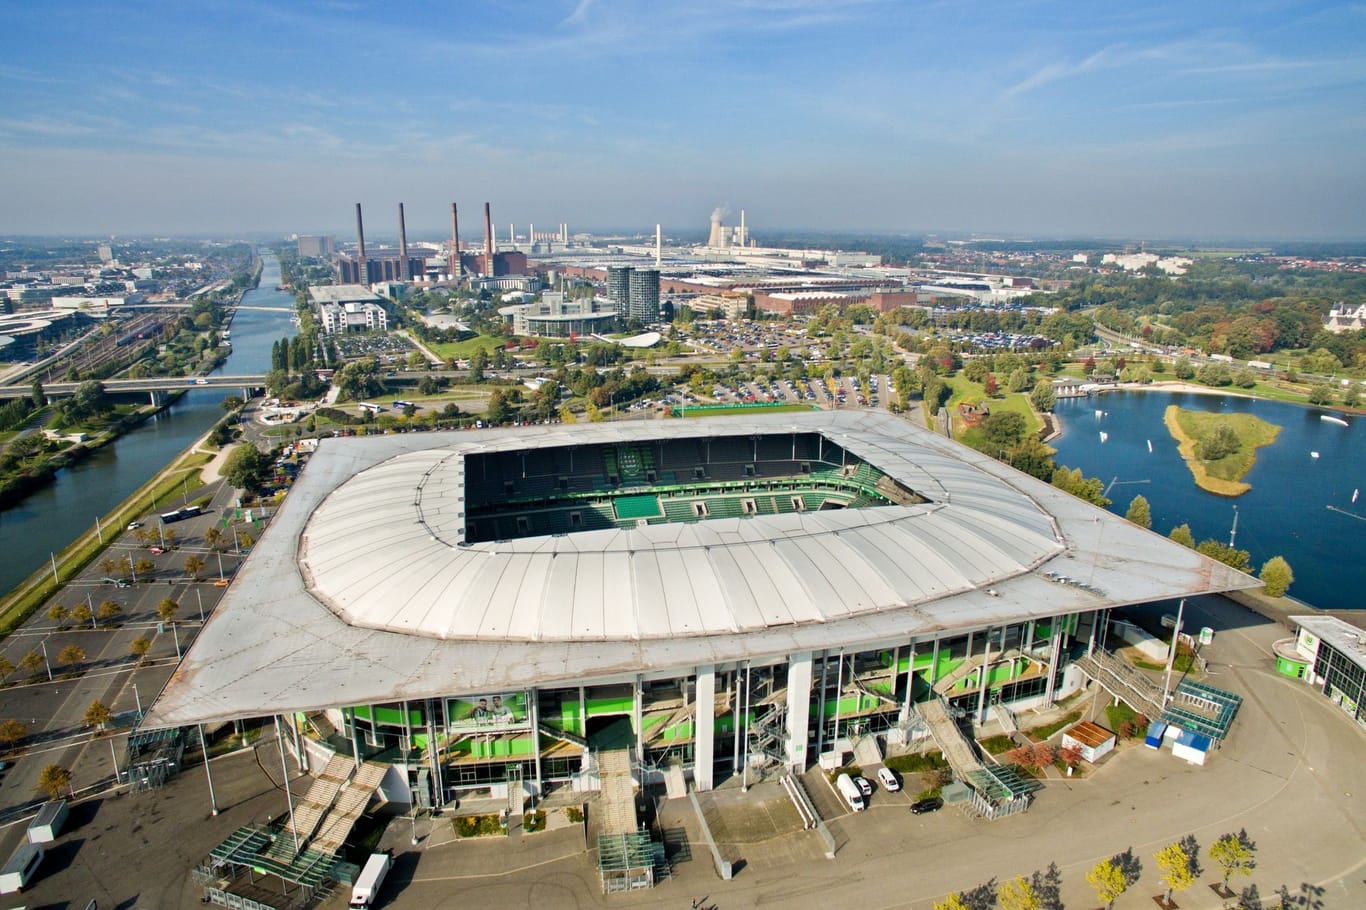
pixel 51 518
pixel 1300 506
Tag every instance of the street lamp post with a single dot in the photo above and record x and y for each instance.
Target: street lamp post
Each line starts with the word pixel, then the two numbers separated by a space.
pixel 1171 654
pixel 204 747
pixel 137 699
pixel 46 663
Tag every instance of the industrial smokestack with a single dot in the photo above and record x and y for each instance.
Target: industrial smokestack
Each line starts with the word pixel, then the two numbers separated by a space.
pixel 659 247
pixel 455 243
pixel 359 234
pixel 531 234
pixel 488 241
pixel 402 247
pixel 744 238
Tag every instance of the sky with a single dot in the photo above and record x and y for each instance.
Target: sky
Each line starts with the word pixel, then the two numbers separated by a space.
pixel 1187 120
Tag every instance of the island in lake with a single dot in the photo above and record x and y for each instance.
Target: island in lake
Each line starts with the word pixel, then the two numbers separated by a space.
pixel 1219 448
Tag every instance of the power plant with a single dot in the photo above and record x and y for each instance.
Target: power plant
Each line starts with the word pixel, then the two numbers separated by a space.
pixel 721 237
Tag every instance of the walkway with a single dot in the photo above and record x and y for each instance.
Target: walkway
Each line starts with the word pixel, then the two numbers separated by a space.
pixel 1123 681
pixel 617 801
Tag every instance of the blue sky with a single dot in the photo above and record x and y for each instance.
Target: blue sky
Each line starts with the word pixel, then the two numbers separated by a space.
pixel 1159 120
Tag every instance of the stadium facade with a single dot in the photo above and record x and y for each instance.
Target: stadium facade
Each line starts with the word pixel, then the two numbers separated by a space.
pixel 744 592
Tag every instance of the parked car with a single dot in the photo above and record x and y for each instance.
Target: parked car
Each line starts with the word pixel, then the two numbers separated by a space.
pixel 864 786
pixel 134 525
pixel 921 806
pixel 888 779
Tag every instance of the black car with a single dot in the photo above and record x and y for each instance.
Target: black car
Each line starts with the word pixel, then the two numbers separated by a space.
pixel 933 804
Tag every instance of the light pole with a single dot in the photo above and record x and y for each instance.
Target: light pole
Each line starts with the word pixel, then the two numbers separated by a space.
pixel 137 699
pixel 43 644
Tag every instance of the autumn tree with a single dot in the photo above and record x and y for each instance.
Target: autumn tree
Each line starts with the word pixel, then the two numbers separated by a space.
pixel 1018 894
pixel 952 902
pixel 31 663
pixel 1233 853
pixel 144 567
pixel 108 610
pixel 80 614
pixel 11 732
pixel 54 780
pixel 140 646
pixel 1175 865
pixel 72 655
pixel 193 566
pixel 6 667
pixel 1109 881
pixel 167 609
pixel 98 715
pixel 57 613
pixel 1276 576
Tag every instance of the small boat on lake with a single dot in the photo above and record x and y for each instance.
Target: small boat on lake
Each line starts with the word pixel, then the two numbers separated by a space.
pixel 1331 419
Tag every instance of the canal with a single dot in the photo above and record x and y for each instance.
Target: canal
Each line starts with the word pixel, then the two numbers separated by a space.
pixel 52 517
pixel 1303 505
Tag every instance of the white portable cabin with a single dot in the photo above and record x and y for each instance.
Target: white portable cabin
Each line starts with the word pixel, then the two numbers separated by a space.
pixel 22 865
pixel 47 824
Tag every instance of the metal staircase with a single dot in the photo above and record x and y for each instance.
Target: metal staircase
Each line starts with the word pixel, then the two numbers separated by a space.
pixel 1123 681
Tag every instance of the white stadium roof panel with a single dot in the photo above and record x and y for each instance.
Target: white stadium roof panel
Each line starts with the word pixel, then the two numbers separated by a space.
pixel 364 589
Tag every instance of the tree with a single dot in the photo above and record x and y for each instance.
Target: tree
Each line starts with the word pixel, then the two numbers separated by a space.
pixel 193 566
pixel 498 410
pixel 1018 894
pixel 1184 368
pixel 72 655
pixel 1140 513
pixel 6 667
pixel 140 646
pixel 1182 535
pixel 1229 556
pixel 1003 429
pixel 11 732
pixel 38 395
pixel 1018 380
pixel 144 567
pixel 952 902
pixel 98 715
pixel 81 614
pixel 167 609
pixel 246 467
pixel 31 663
pixel 976 370
pixel 1109 881
pixel 1175 864
pixel 1233 853
pixel 1219 442
pixel 213 536
pixel 479 362
pixel 54 780
pixel 57 613
pixel 1320 393
pixel 108 610
pixel 1276 576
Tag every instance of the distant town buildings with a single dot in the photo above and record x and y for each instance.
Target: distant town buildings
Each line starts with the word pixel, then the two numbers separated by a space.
pixel 346 308
pixel 1132 262
pixel 1346 317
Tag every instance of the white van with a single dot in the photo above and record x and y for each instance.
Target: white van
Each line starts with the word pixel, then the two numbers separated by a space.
pixel 366 888
pixel 851 793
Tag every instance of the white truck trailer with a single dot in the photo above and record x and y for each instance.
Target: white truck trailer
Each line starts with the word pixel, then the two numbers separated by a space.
pixel 366 888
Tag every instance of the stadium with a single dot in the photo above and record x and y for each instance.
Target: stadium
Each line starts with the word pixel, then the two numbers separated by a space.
pixel 513 611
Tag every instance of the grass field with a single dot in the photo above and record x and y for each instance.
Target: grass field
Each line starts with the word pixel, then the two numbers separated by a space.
pixel 1223 476
pixel 963 389
pixel 464 350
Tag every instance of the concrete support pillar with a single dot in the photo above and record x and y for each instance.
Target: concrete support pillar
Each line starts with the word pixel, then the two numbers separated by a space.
pixel 638 721
pixel 910 685
pixel 1055 645
pixel 704 728
pixel 534 713
pixel 798 709
pixel 820 704
pixel 985 678
pixel 934 664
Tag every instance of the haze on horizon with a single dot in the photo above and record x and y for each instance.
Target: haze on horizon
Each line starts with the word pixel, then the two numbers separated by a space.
pixel 1195 120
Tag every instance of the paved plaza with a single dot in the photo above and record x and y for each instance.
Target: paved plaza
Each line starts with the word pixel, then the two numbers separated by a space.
pixel 1289 774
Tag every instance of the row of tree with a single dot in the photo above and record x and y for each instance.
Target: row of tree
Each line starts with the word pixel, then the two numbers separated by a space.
pixel 1178 863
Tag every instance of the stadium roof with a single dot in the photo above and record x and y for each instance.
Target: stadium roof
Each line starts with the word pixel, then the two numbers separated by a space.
pixel 362 589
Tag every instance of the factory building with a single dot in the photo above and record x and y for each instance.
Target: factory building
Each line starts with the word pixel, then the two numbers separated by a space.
pixel 346 308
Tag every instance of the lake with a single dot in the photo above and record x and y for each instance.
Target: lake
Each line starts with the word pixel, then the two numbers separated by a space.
pixel 1300 506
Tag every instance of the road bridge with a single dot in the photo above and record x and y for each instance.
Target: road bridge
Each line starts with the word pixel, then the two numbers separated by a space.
pixel 153 384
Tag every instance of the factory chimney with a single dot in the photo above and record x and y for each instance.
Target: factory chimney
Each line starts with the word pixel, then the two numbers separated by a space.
pixel 744 238
pixel 659 247
pixel 455 244
pixel 360 245
pixel 403 274
pixel 488 241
